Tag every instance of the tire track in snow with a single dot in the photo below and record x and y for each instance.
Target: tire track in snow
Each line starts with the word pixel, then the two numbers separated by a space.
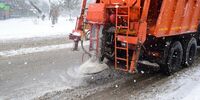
pixel 24 51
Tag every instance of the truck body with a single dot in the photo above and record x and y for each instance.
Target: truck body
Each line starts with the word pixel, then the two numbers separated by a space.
pixel 134 33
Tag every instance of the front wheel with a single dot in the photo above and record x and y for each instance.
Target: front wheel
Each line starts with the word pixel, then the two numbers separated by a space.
pixel 174 59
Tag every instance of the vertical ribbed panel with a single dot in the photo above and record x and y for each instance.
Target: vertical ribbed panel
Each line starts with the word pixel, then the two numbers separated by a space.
pixel 177 17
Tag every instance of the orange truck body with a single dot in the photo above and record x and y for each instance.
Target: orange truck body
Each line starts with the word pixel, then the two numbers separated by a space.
pixel 173 17
pixel 177 17
pixel 137 20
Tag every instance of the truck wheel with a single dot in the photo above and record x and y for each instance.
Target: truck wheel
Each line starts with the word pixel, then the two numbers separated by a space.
pixel 190 53
pixel 174 59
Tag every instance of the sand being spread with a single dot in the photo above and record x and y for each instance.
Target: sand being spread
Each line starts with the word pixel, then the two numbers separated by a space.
pixel 89 67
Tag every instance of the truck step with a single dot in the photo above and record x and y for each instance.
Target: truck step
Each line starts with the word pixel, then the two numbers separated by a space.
pixel 125 27
pixel 147 63
pixel 121 48
pixel 122 15
pixel 129 39
pixel 122 59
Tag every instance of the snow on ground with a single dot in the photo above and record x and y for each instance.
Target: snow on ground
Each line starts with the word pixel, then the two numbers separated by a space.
pixel 184 85
pixel 20 28
pixel 24 51
pixel 194 94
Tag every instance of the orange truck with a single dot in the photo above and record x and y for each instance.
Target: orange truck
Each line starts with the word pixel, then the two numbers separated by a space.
pixel 135 33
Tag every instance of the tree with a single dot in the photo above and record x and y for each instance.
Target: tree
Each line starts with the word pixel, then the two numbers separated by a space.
pixel 71 6
pixel 19 8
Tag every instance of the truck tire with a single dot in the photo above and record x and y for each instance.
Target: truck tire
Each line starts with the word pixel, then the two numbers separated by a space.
pixel 190 52
pixel 174 59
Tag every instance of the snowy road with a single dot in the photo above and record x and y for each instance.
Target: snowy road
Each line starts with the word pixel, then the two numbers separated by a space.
pixel 48 75
pixel 183 85
pixel 26 76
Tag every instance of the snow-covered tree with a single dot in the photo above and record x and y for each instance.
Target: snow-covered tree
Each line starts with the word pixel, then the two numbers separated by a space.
pixel 70 5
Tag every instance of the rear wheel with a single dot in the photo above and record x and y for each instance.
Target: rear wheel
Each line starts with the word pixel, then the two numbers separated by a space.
pixel 174 59
pixel 190 52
